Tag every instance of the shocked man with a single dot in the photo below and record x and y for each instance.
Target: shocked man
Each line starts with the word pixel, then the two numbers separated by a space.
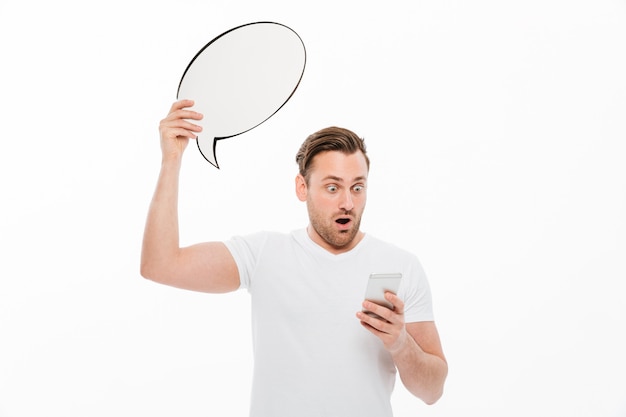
pixel 316 350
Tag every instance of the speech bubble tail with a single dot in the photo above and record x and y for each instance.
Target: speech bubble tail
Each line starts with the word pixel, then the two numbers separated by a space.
pixel 206 145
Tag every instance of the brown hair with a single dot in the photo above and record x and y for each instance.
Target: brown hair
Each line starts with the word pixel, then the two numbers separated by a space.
pixel 329 139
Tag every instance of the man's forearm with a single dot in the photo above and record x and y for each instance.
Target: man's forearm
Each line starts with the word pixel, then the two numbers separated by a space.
pixel 423 374
pixel 161 234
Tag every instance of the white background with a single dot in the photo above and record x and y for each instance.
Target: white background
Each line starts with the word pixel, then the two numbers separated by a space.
pixel 496 132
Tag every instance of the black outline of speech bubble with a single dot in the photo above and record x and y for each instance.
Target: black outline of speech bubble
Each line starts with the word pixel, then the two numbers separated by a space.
pixel 215 139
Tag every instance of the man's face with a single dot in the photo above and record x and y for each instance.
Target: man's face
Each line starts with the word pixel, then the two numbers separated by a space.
pixel 335 197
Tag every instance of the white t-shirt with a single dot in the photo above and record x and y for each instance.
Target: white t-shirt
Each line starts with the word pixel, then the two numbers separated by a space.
pixel 312 357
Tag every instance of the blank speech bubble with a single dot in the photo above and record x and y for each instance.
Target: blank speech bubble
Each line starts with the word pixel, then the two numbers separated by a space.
pixel 242 78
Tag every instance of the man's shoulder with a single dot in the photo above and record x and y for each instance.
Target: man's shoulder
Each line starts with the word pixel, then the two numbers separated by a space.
pixel 264 237
pixel 373 243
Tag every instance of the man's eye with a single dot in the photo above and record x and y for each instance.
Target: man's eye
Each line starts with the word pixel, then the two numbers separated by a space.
pixel 358 188
pixel 332 188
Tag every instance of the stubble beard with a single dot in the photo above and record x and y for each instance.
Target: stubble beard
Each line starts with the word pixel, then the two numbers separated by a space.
pixel 327 230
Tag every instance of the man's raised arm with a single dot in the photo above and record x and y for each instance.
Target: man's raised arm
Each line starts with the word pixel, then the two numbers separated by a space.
pixel 207 267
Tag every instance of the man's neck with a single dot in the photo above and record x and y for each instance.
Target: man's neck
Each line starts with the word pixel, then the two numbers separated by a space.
pixel 335 250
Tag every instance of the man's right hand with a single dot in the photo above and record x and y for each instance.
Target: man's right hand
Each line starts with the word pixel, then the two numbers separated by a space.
pixel 176 129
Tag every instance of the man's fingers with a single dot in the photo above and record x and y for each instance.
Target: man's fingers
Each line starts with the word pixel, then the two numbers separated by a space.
pixel 180 104
pixel 185 114
pixel 374 323
pixel 183 133
pixel 180 110
pixel 179 127
pixel 379 310
pixel 398 304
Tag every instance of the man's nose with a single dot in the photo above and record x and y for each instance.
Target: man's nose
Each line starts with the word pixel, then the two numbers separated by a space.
pixel 346 201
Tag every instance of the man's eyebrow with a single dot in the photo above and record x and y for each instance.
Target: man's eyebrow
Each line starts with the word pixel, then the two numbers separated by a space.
pixel 338 179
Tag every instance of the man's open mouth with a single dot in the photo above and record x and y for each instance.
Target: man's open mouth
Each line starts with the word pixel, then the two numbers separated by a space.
pixel 342 221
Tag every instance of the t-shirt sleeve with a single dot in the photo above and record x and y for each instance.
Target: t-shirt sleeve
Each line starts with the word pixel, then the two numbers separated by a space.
pixel 245 250
pixel 415 292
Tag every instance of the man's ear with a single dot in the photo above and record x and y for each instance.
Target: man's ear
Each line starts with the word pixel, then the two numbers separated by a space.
pixel 301 187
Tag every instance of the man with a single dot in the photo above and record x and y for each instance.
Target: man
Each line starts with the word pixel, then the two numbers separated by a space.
pixel 315 352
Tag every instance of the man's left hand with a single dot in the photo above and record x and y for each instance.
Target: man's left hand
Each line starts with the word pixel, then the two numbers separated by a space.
pixel 389 326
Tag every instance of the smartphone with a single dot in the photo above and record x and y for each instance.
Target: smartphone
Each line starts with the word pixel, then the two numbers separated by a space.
pixel 378 284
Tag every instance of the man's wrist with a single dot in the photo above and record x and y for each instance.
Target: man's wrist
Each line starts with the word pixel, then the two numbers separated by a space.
pixel 171 160
pixel 404 345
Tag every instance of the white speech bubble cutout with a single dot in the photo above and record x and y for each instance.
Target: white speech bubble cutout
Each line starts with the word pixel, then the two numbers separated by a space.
pixel 242 78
